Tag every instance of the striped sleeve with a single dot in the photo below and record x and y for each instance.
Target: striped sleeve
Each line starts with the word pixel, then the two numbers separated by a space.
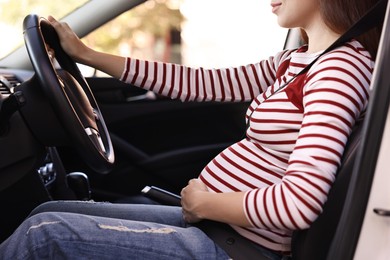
pixel 198 84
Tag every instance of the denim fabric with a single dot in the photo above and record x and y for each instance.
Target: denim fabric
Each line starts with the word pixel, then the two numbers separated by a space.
pixel 57 230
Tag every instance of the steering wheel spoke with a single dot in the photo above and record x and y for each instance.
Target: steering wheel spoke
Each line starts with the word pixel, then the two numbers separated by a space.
pixel 95 138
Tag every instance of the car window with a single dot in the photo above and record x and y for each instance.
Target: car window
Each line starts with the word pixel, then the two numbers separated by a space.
pixel 207 33
pixel 13 12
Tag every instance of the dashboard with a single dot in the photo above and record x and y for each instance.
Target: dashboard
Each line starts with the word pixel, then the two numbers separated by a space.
pixel 16 139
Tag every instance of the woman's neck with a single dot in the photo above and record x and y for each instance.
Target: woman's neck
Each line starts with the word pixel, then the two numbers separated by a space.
pixel 320 38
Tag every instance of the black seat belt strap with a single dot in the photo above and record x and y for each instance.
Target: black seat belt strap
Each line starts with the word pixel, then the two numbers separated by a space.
pixel 374 16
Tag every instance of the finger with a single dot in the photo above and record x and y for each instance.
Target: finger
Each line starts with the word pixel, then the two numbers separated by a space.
pixel 54 22
pixel 51 19
pixel 194 180
pixel 182 192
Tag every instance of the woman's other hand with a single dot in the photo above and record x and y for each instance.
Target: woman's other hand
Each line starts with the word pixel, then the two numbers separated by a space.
pixel 191 200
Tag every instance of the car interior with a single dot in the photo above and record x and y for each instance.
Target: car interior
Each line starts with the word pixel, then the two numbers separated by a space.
pixel 154 140
pixel 146 140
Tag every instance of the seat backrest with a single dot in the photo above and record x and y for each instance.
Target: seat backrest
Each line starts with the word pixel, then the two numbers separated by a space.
pixel 314 243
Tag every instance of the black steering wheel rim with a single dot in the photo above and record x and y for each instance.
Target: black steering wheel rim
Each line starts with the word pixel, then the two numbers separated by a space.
pixel 69 94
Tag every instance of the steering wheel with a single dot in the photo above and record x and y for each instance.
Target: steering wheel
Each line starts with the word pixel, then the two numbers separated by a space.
pixel 69 94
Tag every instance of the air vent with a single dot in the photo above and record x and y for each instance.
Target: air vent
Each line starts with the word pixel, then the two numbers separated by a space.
pixel 12 79
pixel 7 83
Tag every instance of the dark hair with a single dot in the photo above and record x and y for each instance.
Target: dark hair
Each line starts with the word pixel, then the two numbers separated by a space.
pixel 339 15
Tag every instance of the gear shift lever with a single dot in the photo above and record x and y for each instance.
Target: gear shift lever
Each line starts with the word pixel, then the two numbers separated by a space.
pixel 78 182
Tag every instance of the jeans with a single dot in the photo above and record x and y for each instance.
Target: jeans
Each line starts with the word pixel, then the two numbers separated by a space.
pixel 57 230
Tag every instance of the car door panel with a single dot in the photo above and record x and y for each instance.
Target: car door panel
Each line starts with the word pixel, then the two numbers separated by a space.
pixel 166 141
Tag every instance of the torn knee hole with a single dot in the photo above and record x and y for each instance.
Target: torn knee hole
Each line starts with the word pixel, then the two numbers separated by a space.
pixel 122 228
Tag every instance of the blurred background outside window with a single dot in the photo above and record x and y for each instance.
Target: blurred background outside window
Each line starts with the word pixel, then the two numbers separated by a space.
pixel 208 33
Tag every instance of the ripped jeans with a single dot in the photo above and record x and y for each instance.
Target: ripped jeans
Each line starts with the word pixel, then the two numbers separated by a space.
pixel 57 230
pixel 104 231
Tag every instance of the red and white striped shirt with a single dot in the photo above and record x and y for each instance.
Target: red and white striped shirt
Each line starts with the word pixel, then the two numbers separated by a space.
pixel 295 139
